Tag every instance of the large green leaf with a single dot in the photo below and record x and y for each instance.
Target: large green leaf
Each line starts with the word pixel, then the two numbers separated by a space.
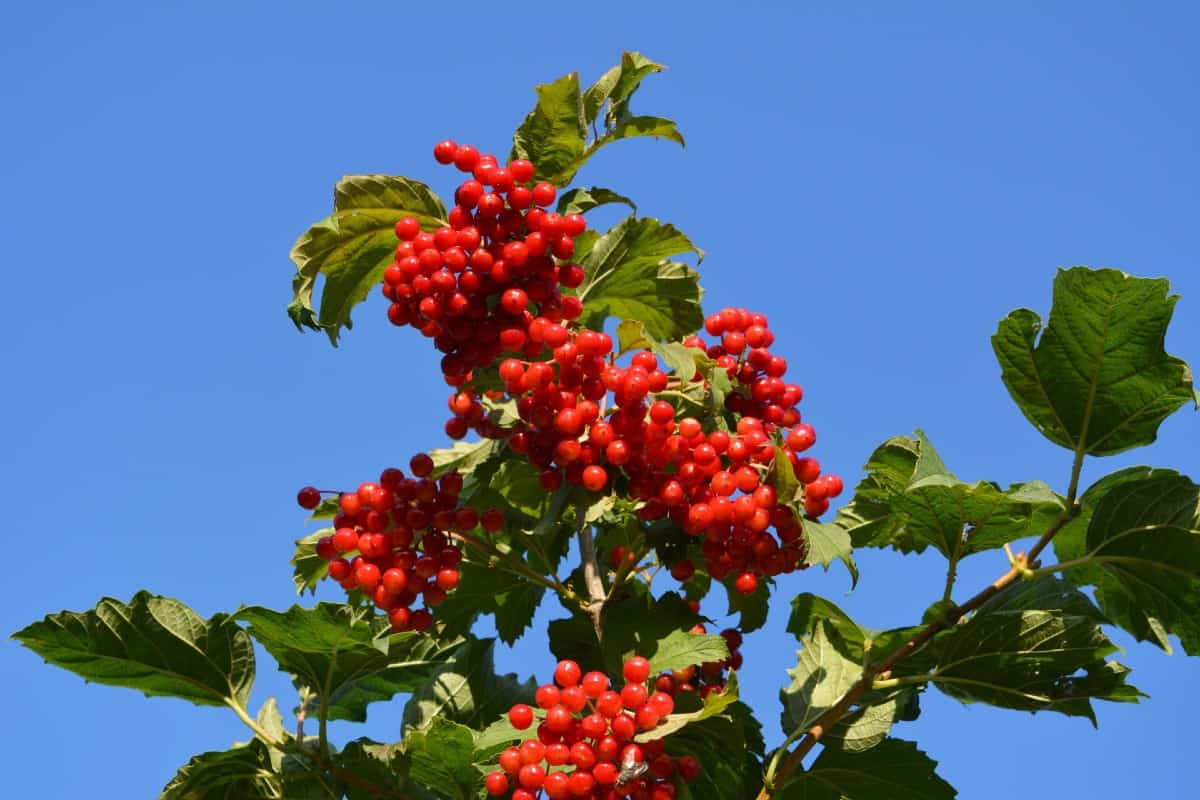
pixel 440 757
pixel 858 643
pixel 1098 380
pixel 353 246
pixel 633 626
pixel 894 769
pixel 1141 552
pixel 616 86
pixel 959 518
pixel 729 748
pixel 554 132
pixel 910 501
pixel 466 689
pixel 154 644
pixel 383 767
pixel 681 649
pixel 629 276
pixel 1035 646
pixel 411 659
pixel 869 724
pixel 240 773
pixel 823 674
pixel 464 457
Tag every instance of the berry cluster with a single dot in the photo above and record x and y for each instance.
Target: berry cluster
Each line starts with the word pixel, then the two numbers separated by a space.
pixel 588 726
pixel 392 540
pixel 489 281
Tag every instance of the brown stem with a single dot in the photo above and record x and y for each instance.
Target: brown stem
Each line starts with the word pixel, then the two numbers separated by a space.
pixel 591 573
pixel 830 718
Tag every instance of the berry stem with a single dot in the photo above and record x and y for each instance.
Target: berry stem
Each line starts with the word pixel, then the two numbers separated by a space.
pixel 517 566
pixel 865 683
pixel 591 572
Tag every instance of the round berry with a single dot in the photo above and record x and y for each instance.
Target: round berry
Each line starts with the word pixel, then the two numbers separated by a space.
pixel 567 673
pixel 746 583
pixel 544 193
pixel 521 716
pixel 497 784
pixel 636 670
pixel 308 498
pixel 443 152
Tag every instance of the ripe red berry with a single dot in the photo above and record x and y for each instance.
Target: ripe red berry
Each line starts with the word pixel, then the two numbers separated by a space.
pixel 521 716
pixel 594 478
pixel 444 151
pixel 308 497
pixel 636 670
pixel 567 673
pixel 543 194
pixel 497 784
pixel 746 583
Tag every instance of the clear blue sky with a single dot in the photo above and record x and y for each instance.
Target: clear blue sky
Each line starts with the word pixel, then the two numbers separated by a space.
pixel 884 182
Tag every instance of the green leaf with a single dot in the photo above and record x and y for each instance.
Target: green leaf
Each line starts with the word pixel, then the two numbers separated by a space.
pixel 1098 381
pixel 869 724
pixel 381 765
pixel 959 519
pixel 308 568
pixel 328 508
pixel 825 542
pixel 633 626
pixel 489 590
pixel 333 649
pixel 580 200
pixel 1142 553
pixel 822 675
pixel 240 773
pixel 1026 649
pixel 894 769
pixel 631 127
pixel 354 245
pixel 553 133
pixel 895 464
pixel 782 477
pixel 154 644
pixel 629 276
pixel 616 87
pixel 682 649
pixel 411 659
pixel 440 757
pixel 752 608
pixel 714 704
pixel 465 689
pixel 464 457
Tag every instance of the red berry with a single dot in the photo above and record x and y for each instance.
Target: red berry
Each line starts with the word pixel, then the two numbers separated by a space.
pixel 746 583
pixel 543 194
pixel 521 716
pixel 567 673
pixel 308 497
pixel 594 478
pixel 636 670
pixel 444 151
pixel 407 228
pixel 497 784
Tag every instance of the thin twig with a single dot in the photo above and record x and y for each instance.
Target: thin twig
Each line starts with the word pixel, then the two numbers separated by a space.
pixel 591 573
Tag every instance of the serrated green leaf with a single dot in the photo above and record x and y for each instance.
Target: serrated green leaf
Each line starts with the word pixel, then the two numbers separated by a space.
pixel 440 757
pixel 489 590
pixel 154 644
pixel 380 765
pixel 1025 649
pixel 1098 380
pixel 782 477
pixel 729 748
pixel 554 132
pixel 629 276
pixel 1141 552
pixel 894 769
pixel 466 689
pixel 240 773
pixel 959 519
pixel 464 457
pixel 354 245
pixel 580 200
pixel 308 568
pixel 658 127
pixel 860 644
pixel 825 542
pixel 822 675
pixel 633 626
pixel 869 724
pixel 681 649
pixel 328 508
pixel 617 85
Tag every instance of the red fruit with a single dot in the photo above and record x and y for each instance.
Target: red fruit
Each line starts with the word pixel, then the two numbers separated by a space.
pixel 308 497
pixel 345 540
pixel 556 786
pixel 521 716
pixel 647 717
pixel 444 151
pixel 807 469
pixel 636 670
pixel 594 478
pixel 608 704
pixel 573 698
pixel 543 194
pixel 567 673
pixel 683 570
pixel 605 773
pixel 662 703
pixel 689 768
pixel 510 760
pixel 746 583
pixel 581 783
pixel 521 170
pixel 466 157
pixel 833 485
pixel 558 719
pixel 447 579
pixel 531 776
pixel 547 696
pixel 395 580
pixel 492 520
pixel 594 684
pixel 514 301
pixel 367 576
pixel 801 437
pixel 421 465
pixel 497 784
pixel 633 695
pixel 407 228
pixel 532 751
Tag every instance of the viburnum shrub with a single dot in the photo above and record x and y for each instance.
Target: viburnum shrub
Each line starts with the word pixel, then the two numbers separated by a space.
pixel 591 402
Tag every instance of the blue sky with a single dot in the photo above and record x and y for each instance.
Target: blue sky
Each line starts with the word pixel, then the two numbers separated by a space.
pixel 884 182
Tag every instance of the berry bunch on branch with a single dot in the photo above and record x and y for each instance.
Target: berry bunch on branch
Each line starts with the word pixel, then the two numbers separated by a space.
pixel 603 429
